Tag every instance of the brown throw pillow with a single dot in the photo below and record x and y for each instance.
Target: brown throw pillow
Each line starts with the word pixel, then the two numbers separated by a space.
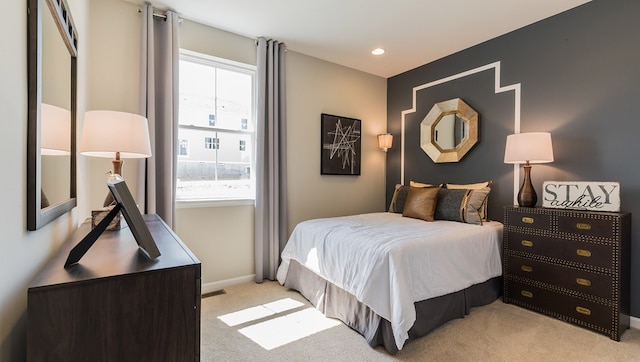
pixel 421 203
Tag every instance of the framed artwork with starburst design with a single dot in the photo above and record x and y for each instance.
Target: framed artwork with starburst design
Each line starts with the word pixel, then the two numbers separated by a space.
pixel 341 143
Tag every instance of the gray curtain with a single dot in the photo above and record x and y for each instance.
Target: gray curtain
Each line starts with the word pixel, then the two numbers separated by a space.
pixel 271 166
pixel 159 103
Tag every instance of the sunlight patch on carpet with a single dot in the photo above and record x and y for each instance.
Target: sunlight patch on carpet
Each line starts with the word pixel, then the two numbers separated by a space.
pixel 283 305
pixel 289 328
pixel 259 312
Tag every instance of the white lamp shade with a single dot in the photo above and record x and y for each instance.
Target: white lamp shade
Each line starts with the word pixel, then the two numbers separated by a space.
pixel 385 141
pixel 532 147
pixel 106 132
pixel 55 130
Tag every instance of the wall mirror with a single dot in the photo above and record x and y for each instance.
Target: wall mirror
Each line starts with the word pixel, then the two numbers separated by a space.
pixel 449 131
pixel 51 130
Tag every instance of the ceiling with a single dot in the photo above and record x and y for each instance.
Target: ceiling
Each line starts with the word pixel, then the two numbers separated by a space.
pixel 413 32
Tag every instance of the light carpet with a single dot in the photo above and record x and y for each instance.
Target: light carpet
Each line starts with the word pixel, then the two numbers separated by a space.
pixel 268 322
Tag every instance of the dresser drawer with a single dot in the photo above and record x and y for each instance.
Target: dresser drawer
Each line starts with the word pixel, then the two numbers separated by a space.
pixel 528 219
pixel 604 228
pixel 593 254
pixel 578 280
pixel 586 313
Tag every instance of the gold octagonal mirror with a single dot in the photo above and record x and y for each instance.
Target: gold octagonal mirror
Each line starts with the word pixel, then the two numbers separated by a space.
pixel 449 131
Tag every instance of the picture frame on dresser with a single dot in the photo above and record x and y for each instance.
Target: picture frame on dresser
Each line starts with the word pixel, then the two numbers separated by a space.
pixel 569 264
pixel 127 205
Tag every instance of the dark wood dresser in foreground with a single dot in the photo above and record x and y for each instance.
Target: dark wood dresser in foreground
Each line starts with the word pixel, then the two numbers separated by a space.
pixel 117 305
pixel 570 265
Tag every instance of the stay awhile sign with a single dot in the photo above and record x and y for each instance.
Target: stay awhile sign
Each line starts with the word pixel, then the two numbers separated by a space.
pixel 582 195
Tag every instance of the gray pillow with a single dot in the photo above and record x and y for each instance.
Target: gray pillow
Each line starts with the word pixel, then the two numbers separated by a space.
pixel 398 199
pixel 451 204
pixel 462 205
pixel 474 208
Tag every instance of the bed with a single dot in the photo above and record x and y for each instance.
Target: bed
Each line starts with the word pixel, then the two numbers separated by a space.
pixel 393 276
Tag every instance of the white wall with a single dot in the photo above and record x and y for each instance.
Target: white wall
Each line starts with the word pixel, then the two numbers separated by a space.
pixel 24 253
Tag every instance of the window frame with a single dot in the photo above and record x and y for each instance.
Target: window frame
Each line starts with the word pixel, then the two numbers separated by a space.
pixel 231 65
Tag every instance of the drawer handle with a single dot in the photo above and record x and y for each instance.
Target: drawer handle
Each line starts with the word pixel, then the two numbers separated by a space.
pixel 583 226
pixel 527 220
pixel 583 282
pixel 527 243
pixel 526 268
pixel 583 252
pixel 583 310
pixel 526 293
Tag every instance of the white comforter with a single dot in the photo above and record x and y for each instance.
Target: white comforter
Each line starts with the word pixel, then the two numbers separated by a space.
pixel 388 262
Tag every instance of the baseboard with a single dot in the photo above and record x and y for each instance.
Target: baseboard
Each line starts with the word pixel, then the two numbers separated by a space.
pixel 214 286
pixel 635 322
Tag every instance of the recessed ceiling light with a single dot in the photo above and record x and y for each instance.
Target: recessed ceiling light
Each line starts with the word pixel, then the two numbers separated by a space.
pixel 377 51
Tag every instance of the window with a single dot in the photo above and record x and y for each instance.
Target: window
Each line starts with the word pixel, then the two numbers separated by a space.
pixel 211 143
pixel 217 106
pixel 183 148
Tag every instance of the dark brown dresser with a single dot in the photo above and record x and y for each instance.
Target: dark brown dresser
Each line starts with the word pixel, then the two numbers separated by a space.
pixel 570 265
pixel 117 305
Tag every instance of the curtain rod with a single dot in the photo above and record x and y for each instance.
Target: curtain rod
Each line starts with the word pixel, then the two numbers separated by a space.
pixel 163 16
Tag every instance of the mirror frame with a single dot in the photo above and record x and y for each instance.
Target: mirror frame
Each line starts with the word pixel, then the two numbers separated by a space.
pixel 428 125
pixel 37 217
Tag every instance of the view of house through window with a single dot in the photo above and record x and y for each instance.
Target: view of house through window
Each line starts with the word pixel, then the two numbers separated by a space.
pixel 216 114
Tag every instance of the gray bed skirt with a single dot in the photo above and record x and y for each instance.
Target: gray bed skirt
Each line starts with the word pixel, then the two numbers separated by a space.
pixel 337 303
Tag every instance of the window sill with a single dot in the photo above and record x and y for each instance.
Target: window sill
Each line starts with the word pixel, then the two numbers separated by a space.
pixel 192 204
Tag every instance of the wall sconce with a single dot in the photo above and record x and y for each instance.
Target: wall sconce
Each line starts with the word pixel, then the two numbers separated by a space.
pixel 115 135
pixel 385 141
pixel 527 148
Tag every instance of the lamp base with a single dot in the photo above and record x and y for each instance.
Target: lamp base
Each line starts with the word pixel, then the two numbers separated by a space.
pixel 117 223
pixel 527 195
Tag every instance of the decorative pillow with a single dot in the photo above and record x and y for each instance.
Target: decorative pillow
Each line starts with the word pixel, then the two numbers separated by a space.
pixel 451 204
pixel 398 198
pixel 419 184
pixel 421 203
pixel 474 206
pixel 400 195
pixel 474 186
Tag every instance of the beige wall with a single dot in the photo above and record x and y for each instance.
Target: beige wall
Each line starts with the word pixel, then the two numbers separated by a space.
pixel 222 237
pixel 23 253
pixel 113 78
pixel 314 87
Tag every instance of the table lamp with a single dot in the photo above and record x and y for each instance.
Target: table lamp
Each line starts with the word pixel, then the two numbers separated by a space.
pixel 116 135
pixel 528 148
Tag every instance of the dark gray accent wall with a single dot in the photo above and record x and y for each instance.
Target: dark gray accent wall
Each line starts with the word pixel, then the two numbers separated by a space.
pixel 579 73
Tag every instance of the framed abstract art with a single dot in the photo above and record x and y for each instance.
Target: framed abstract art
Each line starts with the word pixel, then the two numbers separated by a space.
pixel 341 144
